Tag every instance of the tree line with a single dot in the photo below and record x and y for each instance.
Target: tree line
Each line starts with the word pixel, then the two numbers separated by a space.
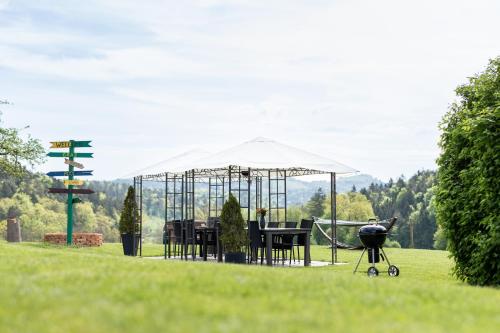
pixel 39 212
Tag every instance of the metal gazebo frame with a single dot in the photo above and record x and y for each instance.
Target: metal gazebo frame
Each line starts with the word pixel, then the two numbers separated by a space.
pixel 180 186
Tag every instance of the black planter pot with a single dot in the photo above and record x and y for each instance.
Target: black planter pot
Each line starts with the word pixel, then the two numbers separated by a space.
pixel 128 244
pixel 235 257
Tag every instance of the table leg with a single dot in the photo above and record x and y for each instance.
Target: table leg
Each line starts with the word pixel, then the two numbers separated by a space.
pixel 205 246
pixel 307 249
pixel 169 241
pixel 269 249
pixel 219 247
pixel 193 243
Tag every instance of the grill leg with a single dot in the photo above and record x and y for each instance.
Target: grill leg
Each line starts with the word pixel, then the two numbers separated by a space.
pixel 359 261
pixel 373 257
pixel 385 255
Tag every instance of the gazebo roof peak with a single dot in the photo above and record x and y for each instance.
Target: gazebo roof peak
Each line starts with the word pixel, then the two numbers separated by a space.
pixel 260 139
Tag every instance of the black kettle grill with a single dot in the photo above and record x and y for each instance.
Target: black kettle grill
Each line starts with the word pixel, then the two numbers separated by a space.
pixel 373 237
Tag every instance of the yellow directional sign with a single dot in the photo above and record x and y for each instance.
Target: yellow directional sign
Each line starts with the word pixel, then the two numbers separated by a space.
pixel 74 182
pixel 60 144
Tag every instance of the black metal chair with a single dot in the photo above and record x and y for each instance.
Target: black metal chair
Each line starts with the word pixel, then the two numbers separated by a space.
pixel 287 240
pixel 301 239
pixel 177 237
pixel 212 222
pixel 188 238
pixel 284 243
pixel 255 243
pixel 166 239
pixel 276 239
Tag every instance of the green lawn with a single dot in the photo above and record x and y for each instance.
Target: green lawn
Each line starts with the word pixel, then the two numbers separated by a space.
pixel 58 289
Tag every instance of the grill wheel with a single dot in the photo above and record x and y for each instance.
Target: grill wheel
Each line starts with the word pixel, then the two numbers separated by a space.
pixel 372 272
pixel 393 271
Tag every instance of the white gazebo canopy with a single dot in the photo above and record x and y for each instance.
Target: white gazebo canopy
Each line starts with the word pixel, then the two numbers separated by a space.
pixel 174 164
pixel 264 154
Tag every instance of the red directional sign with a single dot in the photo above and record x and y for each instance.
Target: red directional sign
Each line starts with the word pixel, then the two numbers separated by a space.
pixel 71 190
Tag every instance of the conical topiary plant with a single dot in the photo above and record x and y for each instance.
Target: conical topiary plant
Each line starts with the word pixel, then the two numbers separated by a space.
pixel 127 218
pixel 234 237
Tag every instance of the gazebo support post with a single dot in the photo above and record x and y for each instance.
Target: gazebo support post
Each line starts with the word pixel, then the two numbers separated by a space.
pixel 136 213
pixel 165 227
pixel 229 183
pixel 269 194
pixel 183 204
pixel 193 235
pixel 333 219
pixel 138 184
pixel 249 183
pixel 286 207
pixel 210 195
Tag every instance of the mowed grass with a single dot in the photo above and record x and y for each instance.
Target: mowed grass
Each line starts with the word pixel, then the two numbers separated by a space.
pixel 58 289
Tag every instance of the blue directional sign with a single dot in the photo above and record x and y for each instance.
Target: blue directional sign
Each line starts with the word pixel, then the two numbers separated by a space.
pixel 68 173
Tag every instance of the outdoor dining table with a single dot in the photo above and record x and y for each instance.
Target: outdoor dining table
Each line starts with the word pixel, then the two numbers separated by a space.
pixel 270 232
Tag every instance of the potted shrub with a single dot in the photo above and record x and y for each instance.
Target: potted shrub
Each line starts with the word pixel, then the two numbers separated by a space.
pixel 127 226
pixel 234 237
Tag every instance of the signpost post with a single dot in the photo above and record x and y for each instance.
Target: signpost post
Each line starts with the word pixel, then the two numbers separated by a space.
pixel 70 182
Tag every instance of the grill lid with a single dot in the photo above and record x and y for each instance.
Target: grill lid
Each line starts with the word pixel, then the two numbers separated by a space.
pixel 372 229
pixel 372 235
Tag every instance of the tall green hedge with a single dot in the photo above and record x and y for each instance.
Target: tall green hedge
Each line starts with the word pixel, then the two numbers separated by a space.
pixel 468 196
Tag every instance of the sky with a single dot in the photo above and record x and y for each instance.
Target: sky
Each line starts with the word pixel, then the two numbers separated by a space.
pixel 361 82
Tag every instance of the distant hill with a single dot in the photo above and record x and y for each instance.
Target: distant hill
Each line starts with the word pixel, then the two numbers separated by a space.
pixel 298 191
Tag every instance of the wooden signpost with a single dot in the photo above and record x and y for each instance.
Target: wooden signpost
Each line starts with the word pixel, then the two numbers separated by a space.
pixel 70 182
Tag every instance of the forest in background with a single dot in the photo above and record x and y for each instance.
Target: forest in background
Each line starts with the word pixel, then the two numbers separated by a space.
pixel 410 200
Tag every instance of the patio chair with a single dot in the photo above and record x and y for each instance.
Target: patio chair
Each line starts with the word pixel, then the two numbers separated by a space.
pixel 177 238
pixel 285 243
pixel 276 239
pixel 301 239
pixel 255 243
pixel 212 222
pixel 287 240
pixel 188 238
pixel 167 238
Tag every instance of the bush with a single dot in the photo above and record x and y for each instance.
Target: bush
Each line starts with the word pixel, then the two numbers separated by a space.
pixel 440 241
pixel 392 243
pixel 468 204
pixel 234 236
pixel 129 213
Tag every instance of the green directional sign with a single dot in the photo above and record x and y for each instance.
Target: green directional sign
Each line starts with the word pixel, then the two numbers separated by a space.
pixel 81 144
pixel 70 154
pixel 77 200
